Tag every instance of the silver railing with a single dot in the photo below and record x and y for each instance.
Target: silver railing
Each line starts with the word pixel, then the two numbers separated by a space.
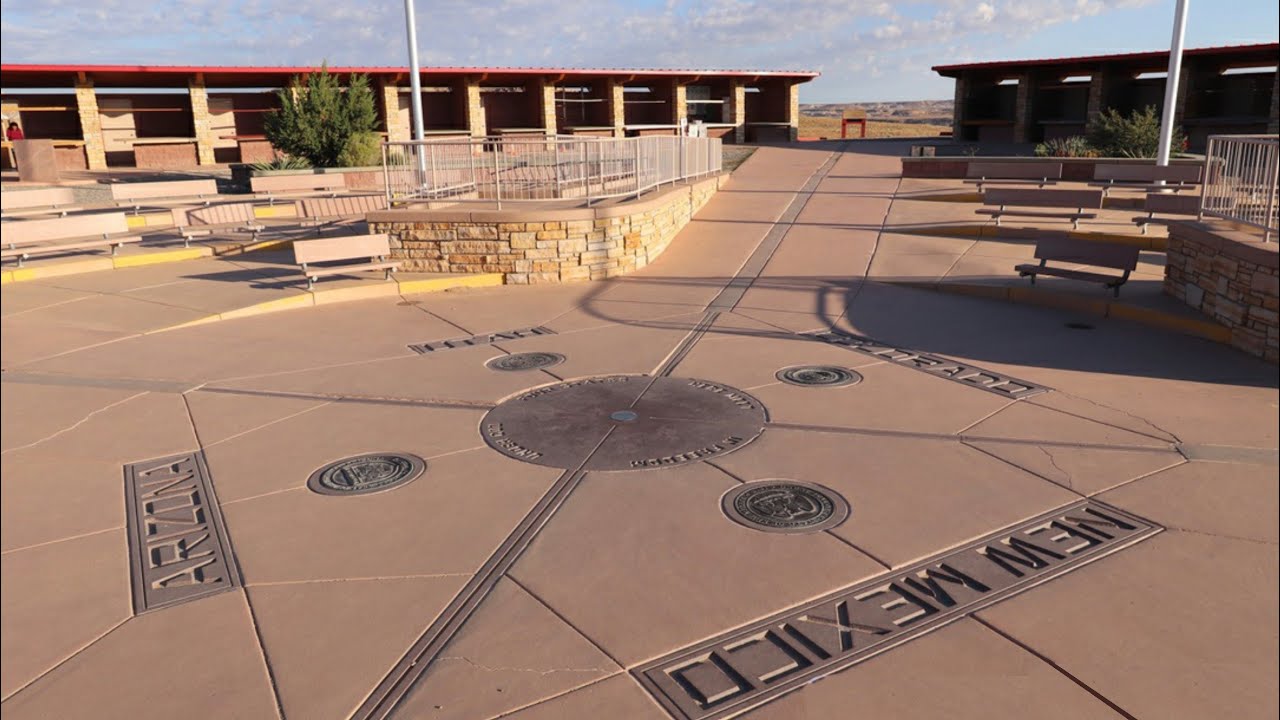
pixel 574 170
pixel 1240 181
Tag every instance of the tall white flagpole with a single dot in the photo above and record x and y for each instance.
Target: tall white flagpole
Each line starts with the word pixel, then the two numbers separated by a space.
pixel 415 81
pixel 1171 83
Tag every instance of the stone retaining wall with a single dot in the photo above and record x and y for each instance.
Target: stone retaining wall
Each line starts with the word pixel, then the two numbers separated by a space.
pixel 529 245
pixel 1231 276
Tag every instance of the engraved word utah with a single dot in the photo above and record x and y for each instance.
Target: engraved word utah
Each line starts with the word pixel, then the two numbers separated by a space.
pixel 178 549
pixel 752 665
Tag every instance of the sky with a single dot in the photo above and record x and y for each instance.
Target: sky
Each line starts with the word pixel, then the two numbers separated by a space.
pixel 867 50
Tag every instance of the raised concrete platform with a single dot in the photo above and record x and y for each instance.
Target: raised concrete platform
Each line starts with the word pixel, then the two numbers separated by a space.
pixel 1040 521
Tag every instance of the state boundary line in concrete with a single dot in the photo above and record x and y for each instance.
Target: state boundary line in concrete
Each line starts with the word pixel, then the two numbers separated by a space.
pixel 382 702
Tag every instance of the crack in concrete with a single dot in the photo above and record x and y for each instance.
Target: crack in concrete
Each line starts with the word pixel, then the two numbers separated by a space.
pixel 503 668
pixel 1104 406
pixel 75 425
pixel 1056 466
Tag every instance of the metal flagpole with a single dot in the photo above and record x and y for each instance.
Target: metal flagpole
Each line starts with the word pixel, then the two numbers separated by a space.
pixel 1171 83
pixel 415 83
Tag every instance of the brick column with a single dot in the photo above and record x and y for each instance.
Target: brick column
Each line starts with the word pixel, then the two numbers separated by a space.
pixel 679 102
pixel 396 124
pixel 1022 110
pixel 547 103
pixel 475 109
pixel 738 110
pixel 1273 125
pixel 793 111
pixel 957 112
pixel 618 108
pixel 95 150
pixel 1097 95
pixel 201 123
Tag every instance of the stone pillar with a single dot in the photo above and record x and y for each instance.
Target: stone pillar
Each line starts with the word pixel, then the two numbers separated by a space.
pixel 201 123
pixel 679 102
pixel 547 104
pixel 95 149
pixel 617 107
pixel 737 111
pixel 793 112
pixel 397 125
pixel 1185 80
pixel 1097 95
pixel 957 111
pixel 1022 115
pixel 475 109
pixel 1273 124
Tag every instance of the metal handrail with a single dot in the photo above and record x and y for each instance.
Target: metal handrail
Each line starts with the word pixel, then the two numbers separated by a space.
pixel 1240 181
pixel 562 168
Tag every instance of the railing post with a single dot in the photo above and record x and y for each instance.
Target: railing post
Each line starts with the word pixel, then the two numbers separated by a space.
pixel 497 182
pixel 638 165
pixel 1272 177
pixel 386 175
pixel 556 160
pixel 1204 184
pixel 435 183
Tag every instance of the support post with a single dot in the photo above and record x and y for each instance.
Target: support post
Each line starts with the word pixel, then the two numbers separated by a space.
pixel 1169 116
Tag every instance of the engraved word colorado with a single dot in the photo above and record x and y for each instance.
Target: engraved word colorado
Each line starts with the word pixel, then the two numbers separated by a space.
pixel 752 665
pixel 969 375
pixel 177 546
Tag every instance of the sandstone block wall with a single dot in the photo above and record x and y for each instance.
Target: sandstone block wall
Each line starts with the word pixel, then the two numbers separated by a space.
pixel 1230 276
pixel 531 246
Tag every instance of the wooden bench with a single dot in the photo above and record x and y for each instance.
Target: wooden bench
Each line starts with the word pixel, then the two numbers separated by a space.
pixel 235 217
pixel 1083 252
pixel 1168 204
pixel 339 210
pixel 1174 177
pixel 373 249
pixel 1005 198
pixel 1039 174
pixel 273 186
pixel 164 193
pixel 17 203
pixel 52 236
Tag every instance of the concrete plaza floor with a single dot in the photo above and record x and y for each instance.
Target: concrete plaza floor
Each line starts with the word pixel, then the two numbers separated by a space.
pixel 1085 527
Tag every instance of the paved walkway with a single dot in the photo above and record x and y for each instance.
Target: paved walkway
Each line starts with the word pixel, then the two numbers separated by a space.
pixel 1042 520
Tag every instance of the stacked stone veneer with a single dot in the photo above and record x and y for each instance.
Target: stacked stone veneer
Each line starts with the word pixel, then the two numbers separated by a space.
pixel 1230 276
pixel 529 245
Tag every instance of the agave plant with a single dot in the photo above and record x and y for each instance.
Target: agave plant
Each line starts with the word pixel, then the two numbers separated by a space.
pixel 283 162
pixel 1074 146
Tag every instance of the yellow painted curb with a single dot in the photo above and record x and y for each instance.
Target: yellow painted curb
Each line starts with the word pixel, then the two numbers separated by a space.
pixel 160 258
pixel 6 277
pixel 347 294
pixel 284 209
pixel 17 275
pixel 425 285
pixel 1029 295
pixel 1146 242
pixel 1188 325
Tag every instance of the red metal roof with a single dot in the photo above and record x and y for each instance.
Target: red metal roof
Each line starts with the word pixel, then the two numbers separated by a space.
pixel 1264 49
pixel 30 75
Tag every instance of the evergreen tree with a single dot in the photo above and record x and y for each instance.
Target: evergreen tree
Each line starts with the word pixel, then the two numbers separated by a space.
pixel 317 118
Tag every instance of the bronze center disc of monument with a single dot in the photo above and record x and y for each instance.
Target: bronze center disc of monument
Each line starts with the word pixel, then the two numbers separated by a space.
pixel 623 422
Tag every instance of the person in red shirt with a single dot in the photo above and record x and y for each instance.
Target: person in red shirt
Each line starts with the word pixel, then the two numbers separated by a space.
pixel 14 132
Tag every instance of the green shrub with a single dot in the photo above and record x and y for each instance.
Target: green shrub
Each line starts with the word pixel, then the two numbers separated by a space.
pixel 1137 135
pixel 1074 146
pixel 362 150
pixel 317 118
pixel 283 162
